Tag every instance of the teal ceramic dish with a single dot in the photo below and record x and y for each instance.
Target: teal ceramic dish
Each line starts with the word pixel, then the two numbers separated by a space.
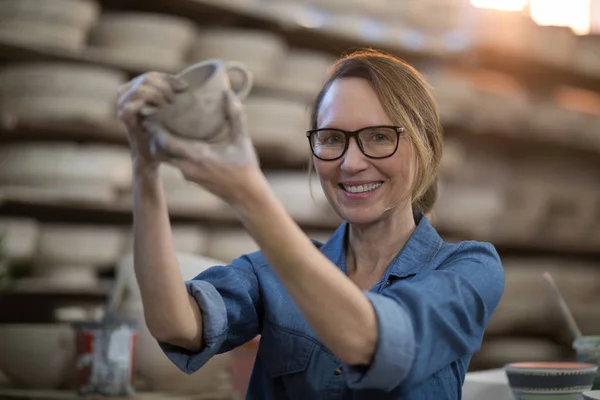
pixel 592 395
pixel 550 380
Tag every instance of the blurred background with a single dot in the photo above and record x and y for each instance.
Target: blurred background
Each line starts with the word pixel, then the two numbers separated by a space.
pixel 518 85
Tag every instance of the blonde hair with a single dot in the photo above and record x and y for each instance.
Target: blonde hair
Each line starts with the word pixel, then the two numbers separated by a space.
pixel 408 101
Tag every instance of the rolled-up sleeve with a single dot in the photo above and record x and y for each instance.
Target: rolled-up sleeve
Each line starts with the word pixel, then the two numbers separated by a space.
pixel 228 297
pixel 433 319
pixel 395 349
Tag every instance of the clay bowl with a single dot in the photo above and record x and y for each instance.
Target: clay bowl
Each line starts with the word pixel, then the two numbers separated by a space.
pixel 538 380
pixel 38 356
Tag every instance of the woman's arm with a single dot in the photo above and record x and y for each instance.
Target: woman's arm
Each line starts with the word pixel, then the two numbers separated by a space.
pixel 333 305
pixel 171 314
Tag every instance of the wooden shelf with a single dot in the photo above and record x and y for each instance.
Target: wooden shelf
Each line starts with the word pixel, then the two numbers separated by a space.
pixel 33 286
pixel 79 130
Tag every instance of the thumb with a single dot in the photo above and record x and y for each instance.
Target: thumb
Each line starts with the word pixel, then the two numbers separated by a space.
pixel 177 84
pixel 235 115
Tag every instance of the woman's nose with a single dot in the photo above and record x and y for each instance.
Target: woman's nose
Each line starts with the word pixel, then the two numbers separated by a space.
pixel 354 160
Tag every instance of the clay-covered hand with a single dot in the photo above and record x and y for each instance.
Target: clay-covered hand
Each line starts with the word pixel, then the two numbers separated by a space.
pixel 226 167
pixel 146 92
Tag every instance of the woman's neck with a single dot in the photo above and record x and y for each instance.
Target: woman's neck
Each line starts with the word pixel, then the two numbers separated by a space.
pixel 372 248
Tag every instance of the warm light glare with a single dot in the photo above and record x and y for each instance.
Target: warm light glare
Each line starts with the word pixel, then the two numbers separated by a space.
pixel 573 13
pixel 506 5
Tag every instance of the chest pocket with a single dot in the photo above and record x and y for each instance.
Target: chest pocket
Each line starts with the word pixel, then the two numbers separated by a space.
pixel 285 356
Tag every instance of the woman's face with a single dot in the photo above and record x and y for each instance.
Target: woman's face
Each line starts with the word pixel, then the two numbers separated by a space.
pixel 351 104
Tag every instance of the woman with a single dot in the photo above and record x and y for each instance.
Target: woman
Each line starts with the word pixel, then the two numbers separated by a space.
pixel 385 309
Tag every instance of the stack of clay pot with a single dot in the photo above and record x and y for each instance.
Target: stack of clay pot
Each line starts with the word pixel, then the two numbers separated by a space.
pixel 587 55
pixel 56 24
pixel 64 172
pixel 142 41
pixel 261 51
pixel 59 92
pixel 303 198
pixel 501 103
pixel 187 198
pixel 71 255
pixel 38 356
pixel 19 238
pixel 304 72
pixel 227 244
pixel 278 127
pixel 189 239
pixel 454 94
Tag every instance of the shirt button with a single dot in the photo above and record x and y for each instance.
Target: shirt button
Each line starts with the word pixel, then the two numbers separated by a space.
pixel 338 371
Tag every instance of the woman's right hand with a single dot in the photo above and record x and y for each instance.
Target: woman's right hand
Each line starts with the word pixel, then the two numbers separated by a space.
pixel 149 91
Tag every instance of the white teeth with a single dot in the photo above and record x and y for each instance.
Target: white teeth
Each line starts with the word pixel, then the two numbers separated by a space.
pixel 361 188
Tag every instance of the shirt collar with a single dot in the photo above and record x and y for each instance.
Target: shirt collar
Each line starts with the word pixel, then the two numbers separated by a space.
pixel 422 246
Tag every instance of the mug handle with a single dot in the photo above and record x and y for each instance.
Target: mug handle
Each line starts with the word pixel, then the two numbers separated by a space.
pixel 241 68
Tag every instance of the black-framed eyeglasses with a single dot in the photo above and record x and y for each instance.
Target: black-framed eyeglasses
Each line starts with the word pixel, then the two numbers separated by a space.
pixel 329 144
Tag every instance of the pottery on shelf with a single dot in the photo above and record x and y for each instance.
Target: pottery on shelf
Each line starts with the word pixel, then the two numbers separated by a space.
pixel 58 24
pixel 57 90
pixel 277 126
pixel 540 380
pixel 18 237
pixel 144 41
pixel 38 356
pixel 303 198
pixel 262 52
pixel 54 164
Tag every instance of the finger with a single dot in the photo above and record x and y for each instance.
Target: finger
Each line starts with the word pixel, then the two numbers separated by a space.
pixel 130 112
pixel 173 146
pixel 161 82
pixel 150 94
pixel 235 114
pixel 125 91
pixel 177 84
pixel 148 111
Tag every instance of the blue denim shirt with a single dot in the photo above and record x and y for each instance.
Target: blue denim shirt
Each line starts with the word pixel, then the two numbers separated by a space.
pixel 432 306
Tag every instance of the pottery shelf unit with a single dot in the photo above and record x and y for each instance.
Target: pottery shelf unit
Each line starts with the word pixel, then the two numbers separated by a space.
pixel 474 103
pixel 449 33
pixel 520 166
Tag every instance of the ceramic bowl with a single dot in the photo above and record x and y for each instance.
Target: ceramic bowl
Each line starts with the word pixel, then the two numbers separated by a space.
pixel 588 351
pixel 591 395
pixel 37 356
pixel 538 380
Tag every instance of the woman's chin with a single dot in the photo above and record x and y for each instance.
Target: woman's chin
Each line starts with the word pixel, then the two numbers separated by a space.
pixel 361 217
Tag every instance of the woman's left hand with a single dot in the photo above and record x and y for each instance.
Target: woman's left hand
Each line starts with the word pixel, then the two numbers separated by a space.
pixel 227 168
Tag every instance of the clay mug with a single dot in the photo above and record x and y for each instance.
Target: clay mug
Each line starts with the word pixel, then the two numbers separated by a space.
pixel 199 112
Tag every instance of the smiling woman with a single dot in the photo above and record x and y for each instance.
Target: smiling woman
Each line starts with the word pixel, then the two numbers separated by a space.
pixel 397 123
pixel 384 309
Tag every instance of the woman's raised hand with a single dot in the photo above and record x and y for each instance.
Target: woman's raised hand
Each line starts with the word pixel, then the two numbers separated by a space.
pixel 140 96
